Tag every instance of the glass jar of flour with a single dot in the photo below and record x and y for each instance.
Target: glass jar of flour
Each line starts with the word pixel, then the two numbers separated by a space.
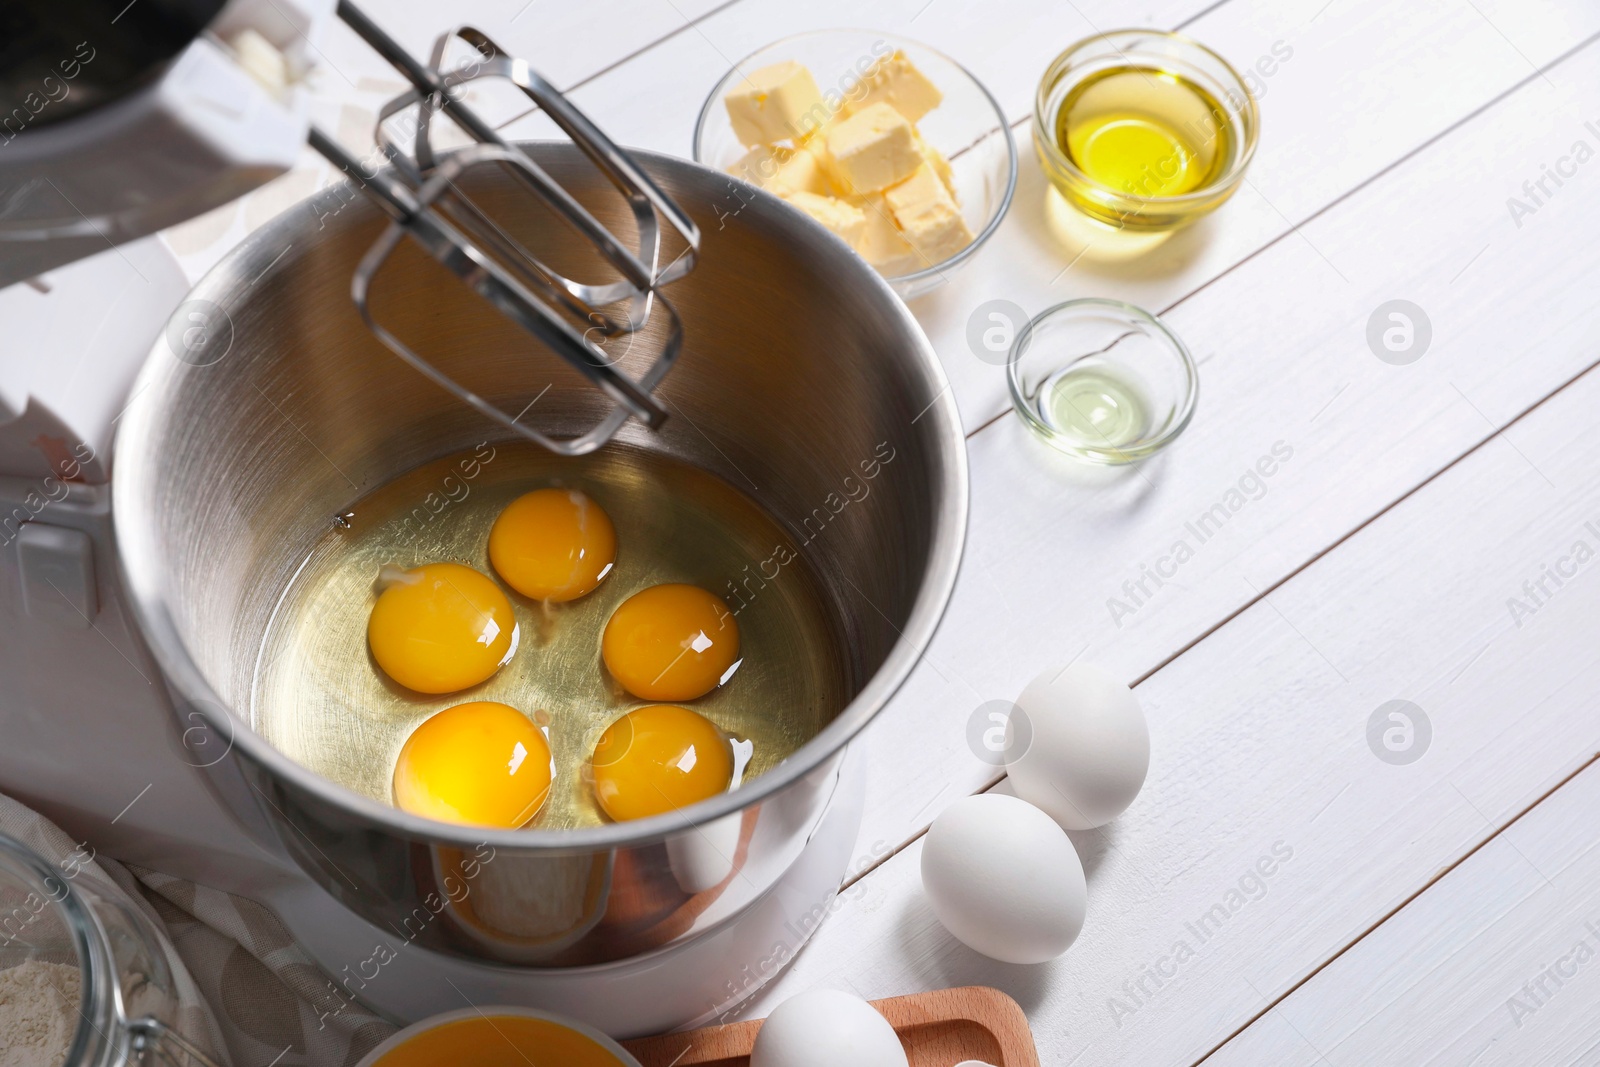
pixel 83 981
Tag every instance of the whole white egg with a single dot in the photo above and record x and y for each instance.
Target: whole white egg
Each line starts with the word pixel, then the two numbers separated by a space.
pixel 825 1026
pixel 1089 749
pixel 1004 879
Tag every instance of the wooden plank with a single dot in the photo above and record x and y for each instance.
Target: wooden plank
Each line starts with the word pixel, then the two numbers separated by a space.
pixel 1272 834
pixel 567 43
pixel 653 101
pixel 1285 365
pixel 1495 964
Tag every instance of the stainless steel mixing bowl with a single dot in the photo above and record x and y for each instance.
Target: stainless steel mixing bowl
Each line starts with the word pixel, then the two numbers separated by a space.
pixel 799 366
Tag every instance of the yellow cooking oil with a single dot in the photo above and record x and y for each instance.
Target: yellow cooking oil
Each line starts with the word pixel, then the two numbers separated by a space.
pixel 1140 133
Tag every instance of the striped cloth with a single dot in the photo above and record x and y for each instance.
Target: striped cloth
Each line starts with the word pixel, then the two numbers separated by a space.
pixel 247 995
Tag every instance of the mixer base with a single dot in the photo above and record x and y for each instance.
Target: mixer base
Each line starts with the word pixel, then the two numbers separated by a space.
pixel 688 985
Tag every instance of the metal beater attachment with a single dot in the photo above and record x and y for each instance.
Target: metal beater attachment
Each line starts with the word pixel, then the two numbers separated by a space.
pixel 421 193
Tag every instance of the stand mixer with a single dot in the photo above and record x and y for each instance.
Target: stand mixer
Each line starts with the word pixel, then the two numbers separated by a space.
pixel 126 666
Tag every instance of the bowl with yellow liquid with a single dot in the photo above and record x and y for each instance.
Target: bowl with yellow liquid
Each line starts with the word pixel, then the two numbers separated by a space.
pixel 1144 130
pixel 492 1036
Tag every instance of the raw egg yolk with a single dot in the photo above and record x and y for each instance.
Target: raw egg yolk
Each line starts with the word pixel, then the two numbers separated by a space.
pixel 659 758
pixel 482 764
pixel 441 627
pixel 553 544
pixel 670 642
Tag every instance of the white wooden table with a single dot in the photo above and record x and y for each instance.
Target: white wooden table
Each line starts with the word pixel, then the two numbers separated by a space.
pixel 1440 911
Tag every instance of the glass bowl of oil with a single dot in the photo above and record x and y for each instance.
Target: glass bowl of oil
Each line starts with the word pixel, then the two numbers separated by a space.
pixel 1103 381
pixel 967 127
pixel 1144 130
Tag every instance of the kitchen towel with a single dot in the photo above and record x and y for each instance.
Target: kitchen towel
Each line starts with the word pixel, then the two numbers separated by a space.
pixel 247 993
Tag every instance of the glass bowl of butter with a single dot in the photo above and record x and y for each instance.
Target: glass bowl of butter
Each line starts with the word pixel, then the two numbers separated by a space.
pixel 889 144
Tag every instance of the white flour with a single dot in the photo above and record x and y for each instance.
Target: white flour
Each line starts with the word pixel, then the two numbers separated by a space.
pixel 38 1013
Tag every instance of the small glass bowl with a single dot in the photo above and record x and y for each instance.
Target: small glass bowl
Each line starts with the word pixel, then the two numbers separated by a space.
pixel 1159 54
pixel 1103 381
pixel 968 127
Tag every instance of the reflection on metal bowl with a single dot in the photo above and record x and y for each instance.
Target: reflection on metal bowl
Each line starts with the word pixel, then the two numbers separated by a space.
pixel 801 372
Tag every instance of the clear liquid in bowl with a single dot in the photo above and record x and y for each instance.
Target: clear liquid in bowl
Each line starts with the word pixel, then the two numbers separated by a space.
pixel 321 699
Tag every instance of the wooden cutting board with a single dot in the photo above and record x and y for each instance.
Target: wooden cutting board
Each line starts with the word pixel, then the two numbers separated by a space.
pixel 938 1029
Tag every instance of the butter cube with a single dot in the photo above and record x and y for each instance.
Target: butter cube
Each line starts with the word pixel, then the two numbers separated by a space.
pixel 941 166
pixel 882 244
pixel 893 80
pixel 776 103
pixel 759 165
pixel 782 170
pixel 928 216
pixel 872 149
pixel 802 172
pixel 844 219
